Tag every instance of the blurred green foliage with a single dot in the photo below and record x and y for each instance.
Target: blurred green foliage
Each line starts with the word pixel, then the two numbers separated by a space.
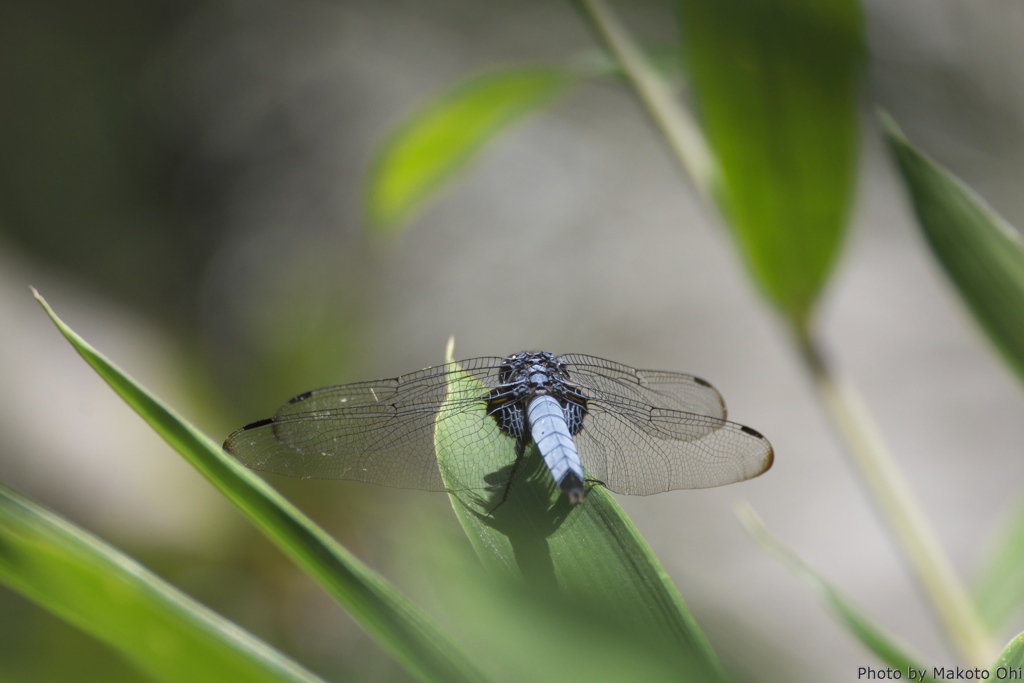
pixel 1012 657
pixel 984 257
pixel 443 135
pixel 872 636
pixel 87 182
pixel 615 632
pixel 982 253
pixel 89 187
pixel 69 653
pixel 103 592
pixel 776 86
pixel 407 633
pixel 999 590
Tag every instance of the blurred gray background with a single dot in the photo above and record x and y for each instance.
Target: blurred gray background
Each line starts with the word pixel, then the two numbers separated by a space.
pixel 182 181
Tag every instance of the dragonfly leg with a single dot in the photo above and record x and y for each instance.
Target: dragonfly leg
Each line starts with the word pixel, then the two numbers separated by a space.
pixel 520 451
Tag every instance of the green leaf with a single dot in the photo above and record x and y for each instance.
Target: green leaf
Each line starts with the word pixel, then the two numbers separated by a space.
pixel 1011 658
pixel 445 134
pixel 984 257
pixel 876 639
pixel 981 252
pixel 398 626
pixel 107 594
pixel 590 554
pixel 775 86
pixel 1000 589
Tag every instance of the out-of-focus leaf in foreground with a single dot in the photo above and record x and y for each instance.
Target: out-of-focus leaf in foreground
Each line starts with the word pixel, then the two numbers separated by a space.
pixel 1000 588
pixel 872 636
pixel 443 135
pixel 981 252
pixel 105 593
pixel 398 626
pixel 775 86
pixel 1011 658
pixel 585 557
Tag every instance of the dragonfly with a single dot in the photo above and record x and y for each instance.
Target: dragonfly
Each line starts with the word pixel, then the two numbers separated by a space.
pixel 636 432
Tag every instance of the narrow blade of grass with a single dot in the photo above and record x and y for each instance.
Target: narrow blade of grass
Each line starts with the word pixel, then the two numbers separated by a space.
pixel 775 85
pixel 107 594
pixel 590 554
pixel 441 137
pixel 872 636
pixel 398 626
pixel 982 253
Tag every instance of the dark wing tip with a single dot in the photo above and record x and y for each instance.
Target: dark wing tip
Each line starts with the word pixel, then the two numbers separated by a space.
pixel 269 420
pixel 769 458
pixel 229 443
pixel 702 382
pixel 748 430
pixel 301 397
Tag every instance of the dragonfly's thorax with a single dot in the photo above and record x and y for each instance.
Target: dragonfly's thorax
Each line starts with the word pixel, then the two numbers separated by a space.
pixel 525 376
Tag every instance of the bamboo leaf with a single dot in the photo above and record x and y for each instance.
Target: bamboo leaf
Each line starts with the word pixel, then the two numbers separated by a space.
pixel 1010 661
pixel 1000 590
pixel 984 257
pixel 872 636
pixel 590 554
pixel 109 595
pixel 982 253
pixel 775 86
pixel 441 137
pixel 398 626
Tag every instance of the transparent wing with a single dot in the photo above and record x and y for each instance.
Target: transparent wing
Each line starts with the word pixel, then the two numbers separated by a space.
pixel 639 449
pixel 380 432
pixel 609 380
pixel 649 431
pixel 645 432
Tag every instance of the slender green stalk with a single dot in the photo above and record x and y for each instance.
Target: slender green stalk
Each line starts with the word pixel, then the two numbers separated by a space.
pixel 867 449
pixel 943 587
pixel 885 645
pixel 658 98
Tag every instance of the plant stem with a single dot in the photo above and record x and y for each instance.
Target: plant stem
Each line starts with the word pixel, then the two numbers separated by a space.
pixel 675 123
pixel 942 586
pixel 865 446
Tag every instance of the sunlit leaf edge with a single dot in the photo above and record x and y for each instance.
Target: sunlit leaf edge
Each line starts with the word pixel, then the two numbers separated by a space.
pixel 107 594
pixel 412 638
